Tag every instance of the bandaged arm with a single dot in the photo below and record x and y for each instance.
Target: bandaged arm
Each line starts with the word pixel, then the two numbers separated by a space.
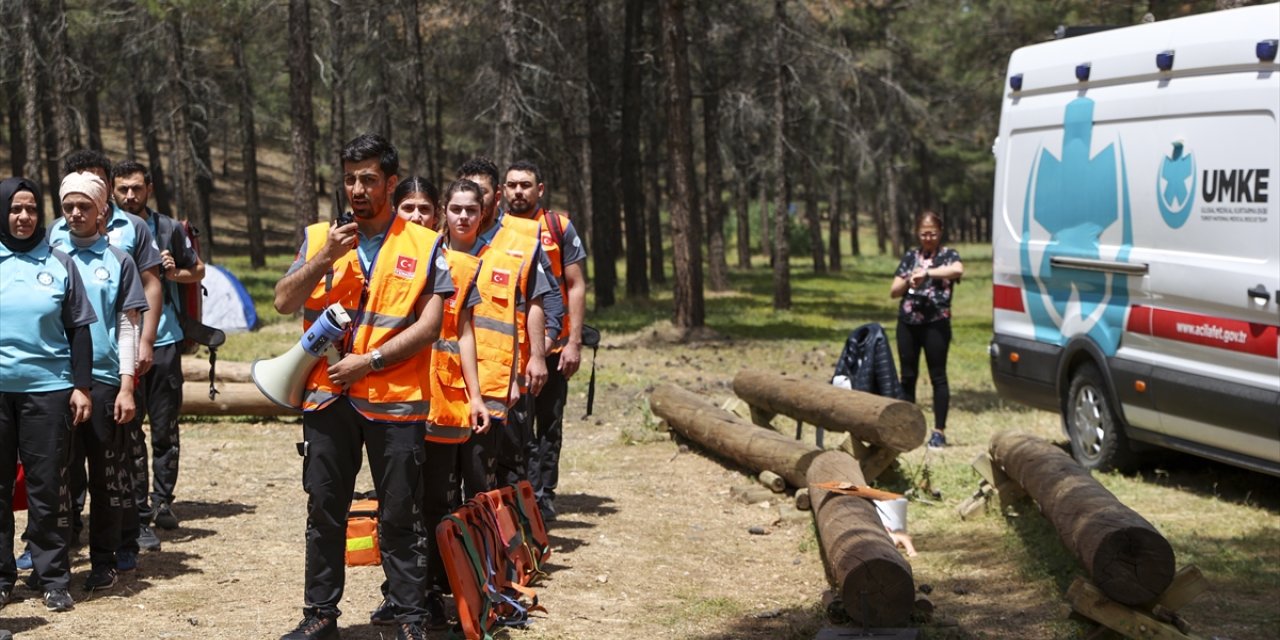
pixel 127 340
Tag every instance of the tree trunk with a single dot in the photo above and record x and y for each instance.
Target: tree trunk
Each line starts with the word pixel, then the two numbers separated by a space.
pixel 604 166
pixel 742 195
pixel 151 142
pixel 59 67
pixel 249 156
pixel 855 245
pixel 337 102
pixel 686 227
pixel 653 200
pixel 506 127
pixel 815 221
pixel 633 195
pixel 17 135
pixel 419 141
pixel 835 205
pixel 30 91
pixel 233 399
pixel 766 221
pixel 781 250
pixel 184 143
pixel 873 419
pixel 874 580
pixel 93 108
pixel 130 129
pixel 717 264
pixel 1126 556
pixel 302 130
pixel 728 436
pixel 892 207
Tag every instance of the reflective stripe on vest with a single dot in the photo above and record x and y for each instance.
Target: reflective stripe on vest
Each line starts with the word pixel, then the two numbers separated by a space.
pixel 450 405
pixel 400 277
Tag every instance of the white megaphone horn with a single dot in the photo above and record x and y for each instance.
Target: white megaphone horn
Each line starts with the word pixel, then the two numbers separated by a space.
pixel 283 379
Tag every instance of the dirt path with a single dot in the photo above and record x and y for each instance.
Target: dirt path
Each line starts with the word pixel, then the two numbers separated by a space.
pixel 650 542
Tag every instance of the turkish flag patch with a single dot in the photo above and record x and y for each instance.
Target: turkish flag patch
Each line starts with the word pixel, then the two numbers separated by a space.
pixel 548 241
pixel 406 266
pixel 501 277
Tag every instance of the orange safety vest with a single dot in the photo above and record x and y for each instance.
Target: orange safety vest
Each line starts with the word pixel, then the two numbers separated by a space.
pixel 502 345
pixel 400 276
pixel 450 404
pixel 551 239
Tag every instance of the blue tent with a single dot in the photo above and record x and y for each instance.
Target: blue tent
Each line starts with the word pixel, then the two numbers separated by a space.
pixel 227 305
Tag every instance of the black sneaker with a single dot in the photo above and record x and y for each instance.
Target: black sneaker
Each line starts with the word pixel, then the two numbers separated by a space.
pixel 385 614
pixel 937 440
pixel 126 560
pixel 58 600
pixel 410 631
pixel 314 627
pixel 100 578
pixel 147 538
pixel 436 618
pixel 6 594
pixel 165 518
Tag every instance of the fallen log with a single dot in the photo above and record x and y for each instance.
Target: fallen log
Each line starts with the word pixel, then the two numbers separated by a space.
pixel 1123 553
pixel 731 437
pixel 874 580
pixel 886 422
pixel 197 369
pixel 234 399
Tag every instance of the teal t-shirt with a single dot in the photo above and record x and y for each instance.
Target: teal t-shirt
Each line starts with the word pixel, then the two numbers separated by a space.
pixel 113 285
pixel 41 295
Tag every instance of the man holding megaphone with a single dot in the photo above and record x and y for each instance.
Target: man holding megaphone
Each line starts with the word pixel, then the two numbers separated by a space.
pixel 391 280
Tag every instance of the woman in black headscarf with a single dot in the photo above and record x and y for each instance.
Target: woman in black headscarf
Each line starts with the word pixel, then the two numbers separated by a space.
pixel 46 368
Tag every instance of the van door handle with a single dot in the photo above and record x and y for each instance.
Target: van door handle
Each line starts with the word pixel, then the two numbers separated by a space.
pixel 1260 294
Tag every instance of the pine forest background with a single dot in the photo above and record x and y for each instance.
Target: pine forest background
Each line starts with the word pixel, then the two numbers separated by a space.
pixel 686 137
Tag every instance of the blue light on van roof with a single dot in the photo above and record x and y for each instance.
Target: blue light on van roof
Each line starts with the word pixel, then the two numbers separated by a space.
pixel 1015 82
pixel 1082 71
pixel 1164 60
pixel 1266 50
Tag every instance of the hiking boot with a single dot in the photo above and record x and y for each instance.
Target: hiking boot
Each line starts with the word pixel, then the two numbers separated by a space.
pixel 165 518
pixel 410 631
pixel 126 561
pixel 385 614
pixel 24 561
pixel 436 618
pixel 147 538
pixel 58 600
pixel 937 440
pixel 314 627
pixel 100 578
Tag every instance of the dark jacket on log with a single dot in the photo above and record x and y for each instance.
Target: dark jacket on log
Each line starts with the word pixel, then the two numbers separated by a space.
pixel 868 362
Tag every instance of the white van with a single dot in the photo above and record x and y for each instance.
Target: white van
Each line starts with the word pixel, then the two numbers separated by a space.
pixel 1136 232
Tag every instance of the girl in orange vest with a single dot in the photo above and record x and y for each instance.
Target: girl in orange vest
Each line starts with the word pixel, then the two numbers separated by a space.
pixel 457 409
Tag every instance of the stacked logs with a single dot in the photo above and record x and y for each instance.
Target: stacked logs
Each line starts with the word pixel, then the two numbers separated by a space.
pixel 1123 553
pixel 874 580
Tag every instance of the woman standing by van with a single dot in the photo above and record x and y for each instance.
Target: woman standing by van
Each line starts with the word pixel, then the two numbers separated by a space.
pixel 924 281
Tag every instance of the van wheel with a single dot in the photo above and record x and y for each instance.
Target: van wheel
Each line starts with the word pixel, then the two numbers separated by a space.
pixel 1097 436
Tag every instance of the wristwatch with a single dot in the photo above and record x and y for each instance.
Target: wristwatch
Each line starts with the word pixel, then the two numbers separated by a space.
pixel 375 360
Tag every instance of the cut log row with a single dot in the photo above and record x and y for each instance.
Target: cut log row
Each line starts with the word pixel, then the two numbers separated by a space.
pixel 886 422
pixel 234 399
pixel 1123 553
pixel 873 578
pixel 197 369
pixel 725 434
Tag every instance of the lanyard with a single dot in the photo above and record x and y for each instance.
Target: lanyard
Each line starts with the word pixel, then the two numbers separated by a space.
pixel 365 284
